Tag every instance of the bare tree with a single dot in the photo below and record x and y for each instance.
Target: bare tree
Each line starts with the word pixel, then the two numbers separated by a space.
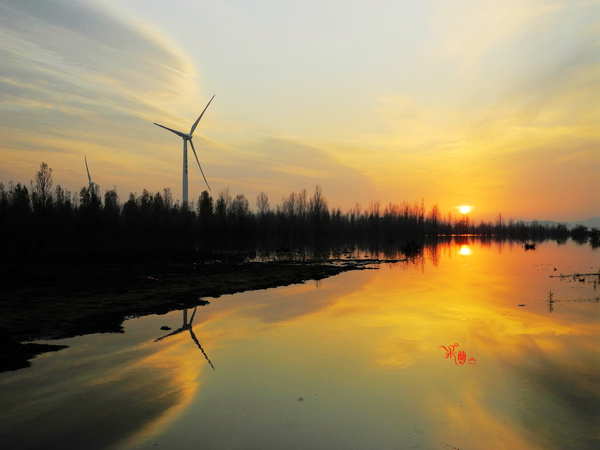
pixel 262 204
pixel 240 207
pixel 223 203
pixel 319 211
pixel 318 204
pixel 41 190
pixel 168 198
pixel 374 209
pixel 301 207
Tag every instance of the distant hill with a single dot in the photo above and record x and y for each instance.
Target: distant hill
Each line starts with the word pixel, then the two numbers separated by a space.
pixel 590 223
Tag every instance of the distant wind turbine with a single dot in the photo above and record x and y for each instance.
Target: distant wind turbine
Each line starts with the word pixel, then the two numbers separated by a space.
pixel 188 137
pixel 92 184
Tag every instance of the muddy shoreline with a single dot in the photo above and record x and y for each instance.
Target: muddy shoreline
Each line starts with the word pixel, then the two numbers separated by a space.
pixel 54 301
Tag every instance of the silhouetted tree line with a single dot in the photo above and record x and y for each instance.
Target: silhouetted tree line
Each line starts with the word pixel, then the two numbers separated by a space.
pixel 38 219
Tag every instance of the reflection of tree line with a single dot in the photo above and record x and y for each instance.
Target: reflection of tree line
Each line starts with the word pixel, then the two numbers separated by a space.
pixel 41 219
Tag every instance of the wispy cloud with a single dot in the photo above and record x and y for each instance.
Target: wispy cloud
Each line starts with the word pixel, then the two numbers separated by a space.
pixel 468 31
pixel 279 166
pixel 75 77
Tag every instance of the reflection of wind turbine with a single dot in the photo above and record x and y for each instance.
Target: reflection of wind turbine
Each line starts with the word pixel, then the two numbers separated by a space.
pixel 92 185
pixel 188 326
pixel 188 137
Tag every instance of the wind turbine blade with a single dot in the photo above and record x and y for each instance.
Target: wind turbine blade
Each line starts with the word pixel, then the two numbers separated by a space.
pixel 201 171
pixel 200 117
pixel 88 170
pixel 178 133
pixel 195 339
pixel 170 334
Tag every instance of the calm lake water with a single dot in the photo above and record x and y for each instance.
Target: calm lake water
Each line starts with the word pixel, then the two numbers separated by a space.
pixel 476 346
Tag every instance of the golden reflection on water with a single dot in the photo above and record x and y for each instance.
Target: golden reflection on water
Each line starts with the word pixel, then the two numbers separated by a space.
pixel 362 351
pixel 501 320
pixel 95 393
pixel 176 359
pixel 358 361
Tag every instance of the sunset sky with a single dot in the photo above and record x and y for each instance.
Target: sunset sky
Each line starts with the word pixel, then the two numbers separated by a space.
pixel 492 104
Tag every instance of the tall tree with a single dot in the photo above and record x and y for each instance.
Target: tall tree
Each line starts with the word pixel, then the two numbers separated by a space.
pixel 205 206
pixel 262 204
pixel 111 201
pixel 41 190
pixel 319 212
pixel 168 198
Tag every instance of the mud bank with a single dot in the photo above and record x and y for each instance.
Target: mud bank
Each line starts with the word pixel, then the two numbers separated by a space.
pixel 46 301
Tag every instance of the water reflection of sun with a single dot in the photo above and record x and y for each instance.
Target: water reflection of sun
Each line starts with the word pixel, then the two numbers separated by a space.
pixel 464 250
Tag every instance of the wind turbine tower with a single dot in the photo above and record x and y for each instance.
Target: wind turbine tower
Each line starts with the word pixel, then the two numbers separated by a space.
pixel 188 137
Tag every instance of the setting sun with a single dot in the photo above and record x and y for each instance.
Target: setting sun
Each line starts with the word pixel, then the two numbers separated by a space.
pixel 464 209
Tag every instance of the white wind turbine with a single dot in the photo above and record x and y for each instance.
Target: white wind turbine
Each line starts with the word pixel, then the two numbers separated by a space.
pixel 92 185
pixel 188 137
